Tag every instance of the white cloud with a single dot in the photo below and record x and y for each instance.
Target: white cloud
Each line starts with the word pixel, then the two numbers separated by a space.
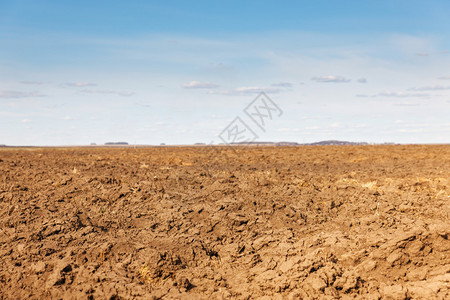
pixel 18 94
pixel 282 84
pixel 401 94
pixel 26 121
pixel 286 129
pixel 362 80
pixel 406 104
pixel 110 92
pixel 143 104
pixel 375 58
pixel 430 88
pixel 78 84
pixel 32 82
pixel 199 85
pixel 404 130
pixel 422 54
pixel 444 78
pixel 331 78
pixel 257 90
pixel 394 95
pixel 246 90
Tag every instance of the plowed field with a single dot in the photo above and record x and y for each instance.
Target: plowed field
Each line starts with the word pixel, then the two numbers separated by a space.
pixel 305 222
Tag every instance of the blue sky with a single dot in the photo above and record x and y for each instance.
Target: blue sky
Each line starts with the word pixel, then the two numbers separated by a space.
pixel 179 72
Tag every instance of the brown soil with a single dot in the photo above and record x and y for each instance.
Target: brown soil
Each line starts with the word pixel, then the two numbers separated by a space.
pixel 208 223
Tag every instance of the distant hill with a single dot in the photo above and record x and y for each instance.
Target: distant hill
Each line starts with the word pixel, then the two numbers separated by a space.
pixel 335 143
pixel 287 144
pixel 116 143
pixel 255 143
pixel 321 143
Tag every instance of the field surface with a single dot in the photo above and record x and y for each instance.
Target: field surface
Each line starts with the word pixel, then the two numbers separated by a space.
pixel 328 222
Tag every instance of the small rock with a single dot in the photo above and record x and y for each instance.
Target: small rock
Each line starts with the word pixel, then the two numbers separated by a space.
pixel 287 265
pixel 394 292
pixel 317 283
pixel 20 247
pixel 38 267
pixel 369 265
pixel 55 278
pixel 417 274
pixel 393 257
pixel 347 282
pixel 421 292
